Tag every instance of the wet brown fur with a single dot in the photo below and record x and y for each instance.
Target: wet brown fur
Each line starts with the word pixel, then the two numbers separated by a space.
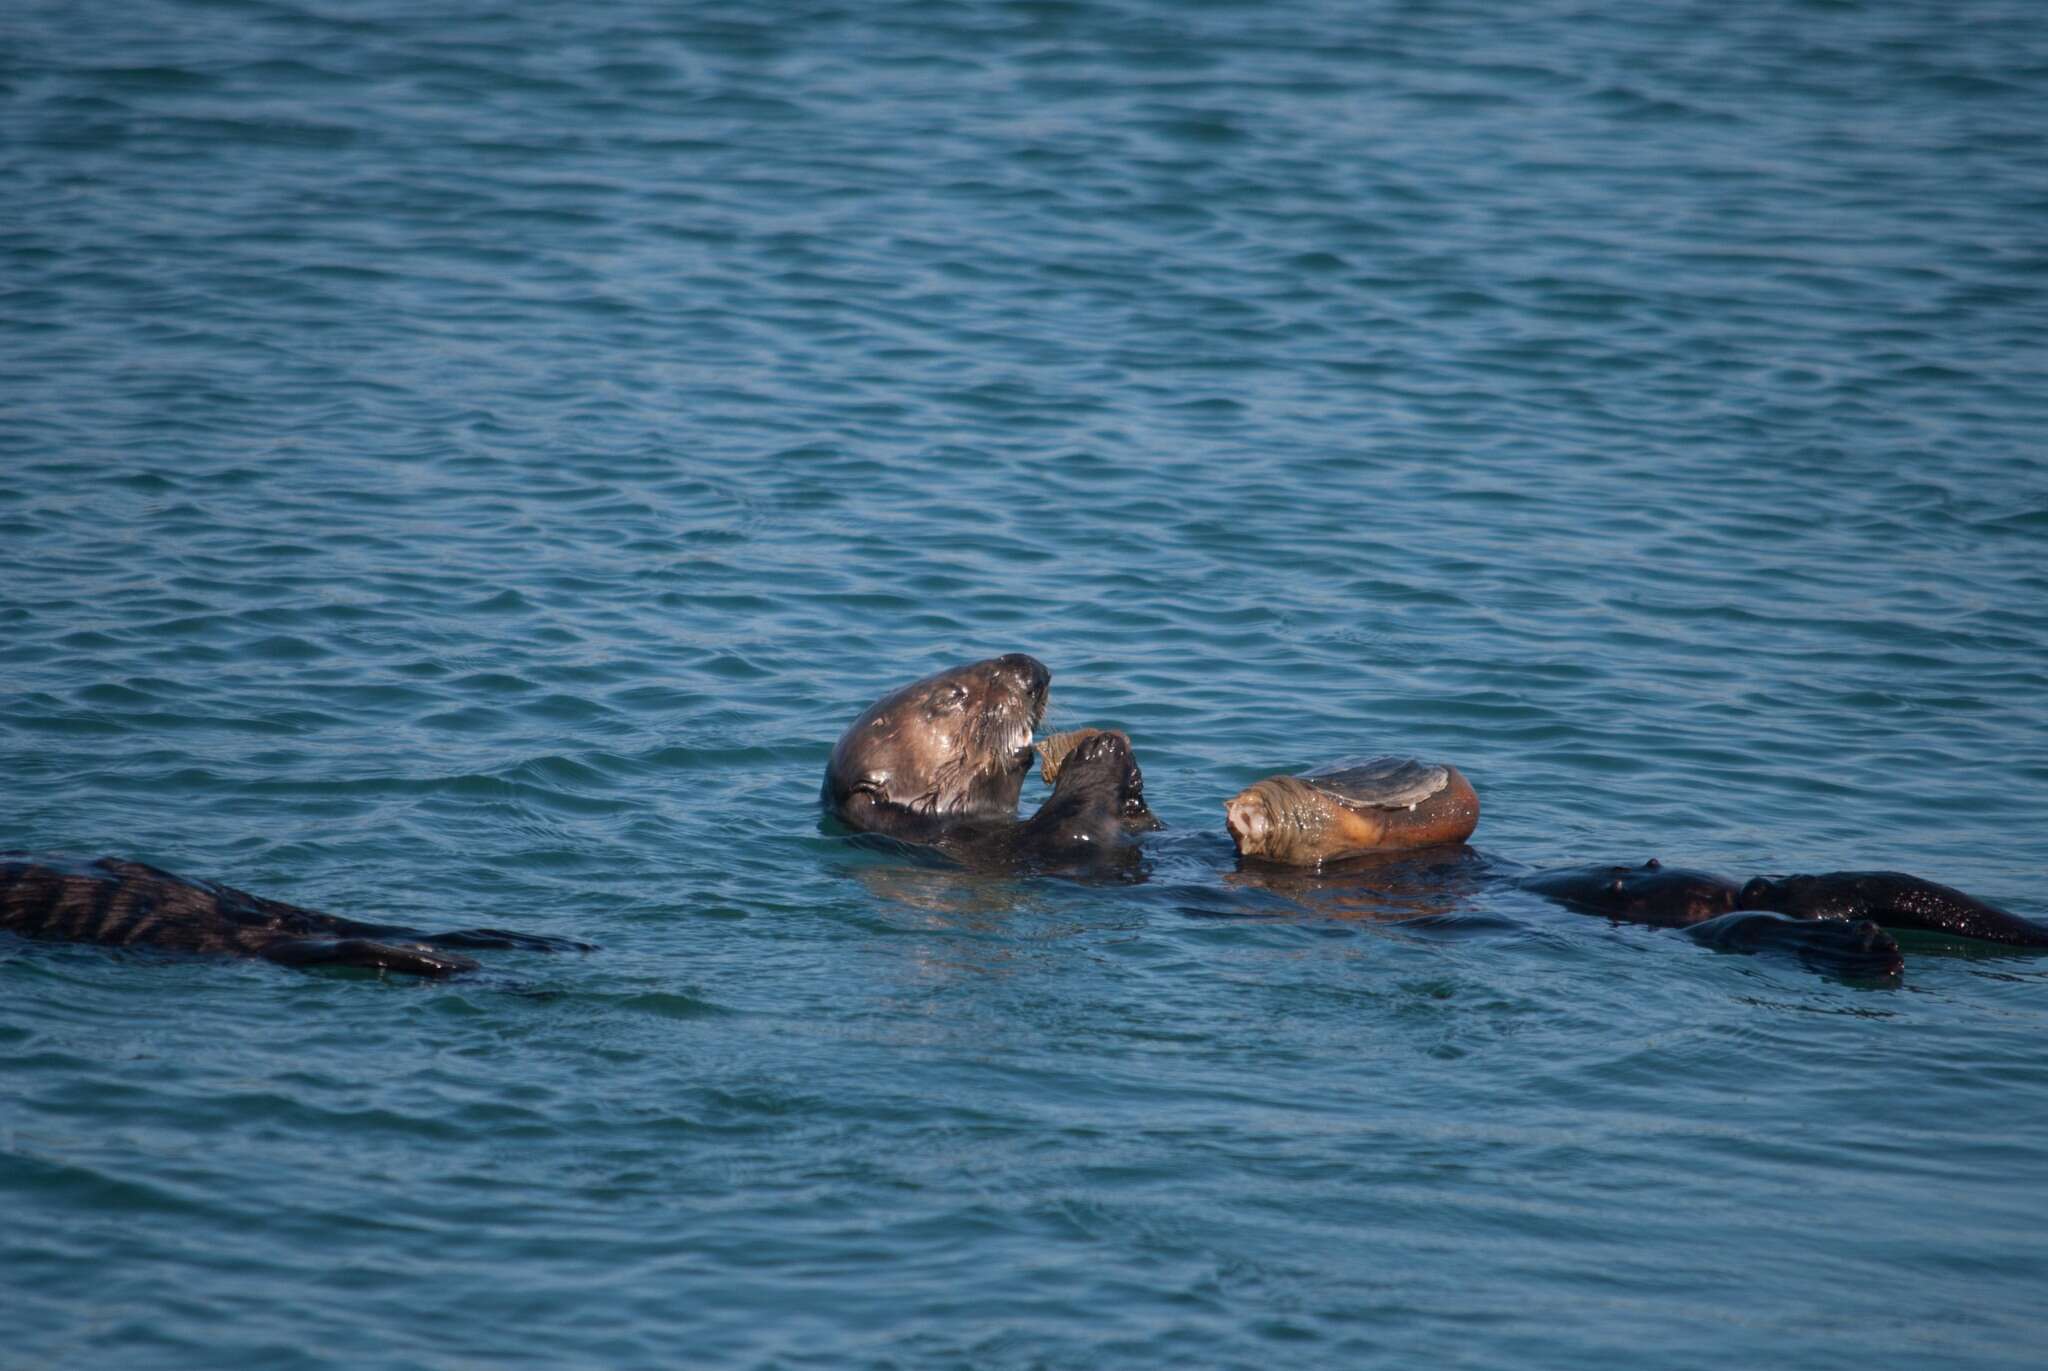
pixel 118 903
pixel 951 747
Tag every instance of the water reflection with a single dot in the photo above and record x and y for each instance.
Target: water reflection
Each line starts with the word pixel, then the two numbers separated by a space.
pixel 964 898
pixel 1384 887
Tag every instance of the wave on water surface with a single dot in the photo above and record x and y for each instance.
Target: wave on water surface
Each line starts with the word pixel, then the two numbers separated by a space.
pixel 466 469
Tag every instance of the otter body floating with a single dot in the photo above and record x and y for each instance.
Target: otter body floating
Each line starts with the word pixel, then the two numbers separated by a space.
pixel 941 762
pixel 1709 909
pixel 1893 899
pixel 119 903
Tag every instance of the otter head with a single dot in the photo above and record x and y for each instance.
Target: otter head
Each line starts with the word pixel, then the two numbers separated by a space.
pixel 953 745
pixel 1667 897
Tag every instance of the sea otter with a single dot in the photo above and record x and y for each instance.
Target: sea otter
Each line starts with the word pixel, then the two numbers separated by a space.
pixel 130 904
pixel 1710 911
pixel 1673 897
pixel 941 763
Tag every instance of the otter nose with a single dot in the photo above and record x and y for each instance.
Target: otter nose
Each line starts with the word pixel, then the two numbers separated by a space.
pixel 1027 672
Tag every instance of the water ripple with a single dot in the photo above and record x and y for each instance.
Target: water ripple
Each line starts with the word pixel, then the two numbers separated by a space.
pixel 468 469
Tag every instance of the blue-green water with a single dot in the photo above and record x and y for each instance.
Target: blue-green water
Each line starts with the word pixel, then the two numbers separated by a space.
pixel 466 466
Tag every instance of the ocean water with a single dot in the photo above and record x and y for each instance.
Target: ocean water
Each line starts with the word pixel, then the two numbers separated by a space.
pixel 466 464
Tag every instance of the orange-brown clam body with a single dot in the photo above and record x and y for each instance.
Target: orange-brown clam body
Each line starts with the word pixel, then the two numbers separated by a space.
pixel 1380 804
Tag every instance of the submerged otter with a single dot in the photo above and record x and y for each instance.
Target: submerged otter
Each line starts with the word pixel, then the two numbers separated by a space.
pixel 1862 902
pixel 1710 911
pixel 941 763
pixel 129 904
pixel 1895 900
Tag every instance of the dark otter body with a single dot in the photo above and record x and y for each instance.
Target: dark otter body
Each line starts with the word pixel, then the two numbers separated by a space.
pixel 1709 909
pixel 1859 901
pixel 1894 900
pixel 129 904
pixel 1858 948
pixel 1087 823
